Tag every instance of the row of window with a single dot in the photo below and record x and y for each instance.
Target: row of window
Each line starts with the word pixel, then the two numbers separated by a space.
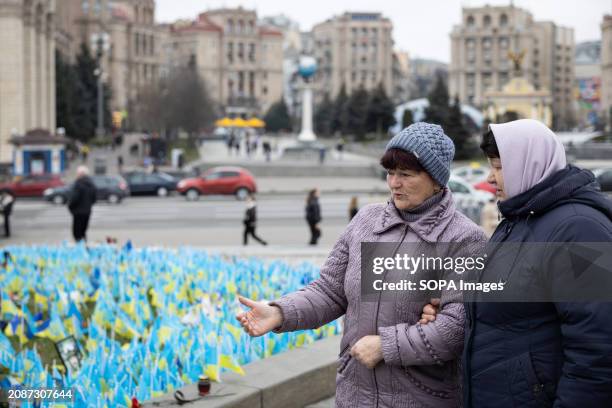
pixel 241 52
pixel 503 42
pixel 94 5
pixel 146 72
pixel 144 44
pixel 240 26
pixel 364 31
pixel 487 21
pixel 144 15
pixel 237 81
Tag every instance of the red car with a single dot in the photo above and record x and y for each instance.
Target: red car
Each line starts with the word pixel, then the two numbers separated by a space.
pixel 32 185
pixel 219 180
pixel 485 186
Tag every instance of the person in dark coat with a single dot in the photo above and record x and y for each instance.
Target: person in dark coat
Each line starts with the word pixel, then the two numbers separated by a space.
pixel 267 149
pixel 313 215
pixel 250 221
pixel 353 208
pixel 551 353
pixel 6 205
pixel 82 199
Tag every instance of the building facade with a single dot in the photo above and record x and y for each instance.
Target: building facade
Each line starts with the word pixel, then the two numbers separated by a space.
pixel 293 48
pixel 240 60
pixel 402 85
pixel 77 22
pixel 353 49
pixel 135 52
pixel 124 32
pixel 27 69
pixel 492 42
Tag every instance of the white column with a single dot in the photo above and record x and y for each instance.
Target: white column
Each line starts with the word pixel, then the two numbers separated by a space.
pixel 18 161
pixel 11 78
pixel 40 97
pixel 52 77
pixel 55 160
pixel 307 135
pixel 29 62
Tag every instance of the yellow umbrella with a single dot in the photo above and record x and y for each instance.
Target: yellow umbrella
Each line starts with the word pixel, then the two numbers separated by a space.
pixel 225 122
pixel 239 122
pixel 256 123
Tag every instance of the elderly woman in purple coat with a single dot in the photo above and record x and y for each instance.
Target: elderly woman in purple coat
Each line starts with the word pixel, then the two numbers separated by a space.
pixel 388 358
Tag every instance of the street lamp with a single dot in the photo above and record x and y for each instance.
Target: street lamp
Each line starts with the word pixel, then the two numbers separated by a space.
pixel 100 127
pixel 101 42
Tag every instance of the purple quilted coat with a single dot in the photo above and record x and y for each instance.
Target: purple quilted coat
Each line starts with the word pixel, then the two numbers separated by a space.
pixel 420 366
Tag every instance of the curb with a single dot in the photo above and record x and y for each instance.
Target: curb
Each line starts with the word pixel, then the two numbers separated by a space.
pixel 325 191
pixel 295 378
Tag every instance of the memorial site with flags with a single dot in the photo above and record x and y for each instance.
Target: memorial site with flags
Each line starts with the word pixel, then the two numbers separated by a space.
pixel 143 322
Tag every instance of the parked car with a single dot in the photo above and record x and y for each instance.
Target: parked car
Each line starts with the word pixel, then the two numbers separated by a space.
pixel 473 173
pixel 32 185
pixel 108 188
pixel 486 186
pixel 219 180
pixel 462 190
pixel 142 183
pixel 604 178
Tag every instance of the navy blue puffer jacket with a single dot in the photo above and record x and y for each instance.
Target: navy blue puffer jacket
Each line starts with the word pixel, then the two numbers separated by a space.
pixel 544 354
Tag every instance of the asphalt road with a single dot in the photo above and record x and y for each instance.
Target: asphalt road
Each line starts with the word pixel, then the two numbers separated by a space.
pixel 173 221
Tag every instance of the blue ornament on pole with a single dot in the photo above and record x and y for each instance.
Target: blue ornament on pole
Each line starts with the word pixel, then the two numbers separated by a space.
pixel 307 67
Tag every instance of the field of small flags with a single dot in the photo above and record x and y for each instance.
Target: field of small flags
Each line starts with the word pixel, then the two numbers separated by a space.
pixel 147 320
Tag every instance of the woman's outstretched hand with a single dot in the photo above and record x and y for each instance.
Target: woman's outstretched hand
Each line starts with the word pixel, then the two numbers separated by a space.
pixel 260 319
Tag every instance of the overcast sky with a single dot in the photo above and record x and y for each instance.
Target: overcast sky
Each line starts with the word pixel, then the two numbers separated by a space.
pixel 420 27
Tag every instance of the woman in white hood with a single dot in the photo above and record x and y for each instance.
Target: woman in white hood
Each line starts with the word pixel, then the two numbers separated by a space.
pixel 550 353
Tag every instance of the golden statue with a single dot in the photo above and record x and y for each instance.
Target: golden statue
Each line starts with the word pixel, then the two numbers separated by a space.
pixel 517 58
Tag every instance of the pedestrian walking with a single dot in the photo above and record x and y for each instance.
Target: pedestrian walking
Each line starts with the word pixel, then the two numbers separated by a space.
pixel 82 199
pixel 353 208
pixel 237 144
pixel 146 163
pixel 120 164
pixel 250 221
pixel 313 215
pixel 6 205
pixel 84 153
pixel 230 143
pixel 267 149
pixel 340 148
pixel 387 358
pixel 248 144
pixel 256 142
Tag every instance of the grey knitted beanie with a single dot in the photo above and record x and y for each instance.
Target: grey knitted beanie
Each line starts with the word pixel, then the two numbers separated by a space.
pixel 433 149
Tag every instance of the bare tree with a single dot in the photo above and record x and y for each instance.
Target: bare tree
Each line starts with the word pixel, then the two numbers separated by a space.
pixel 178 101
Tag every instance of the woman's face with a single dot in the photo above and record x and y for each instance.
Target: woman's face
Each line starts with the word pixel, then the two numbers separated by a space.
pixel 410 187
pixel 496 178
